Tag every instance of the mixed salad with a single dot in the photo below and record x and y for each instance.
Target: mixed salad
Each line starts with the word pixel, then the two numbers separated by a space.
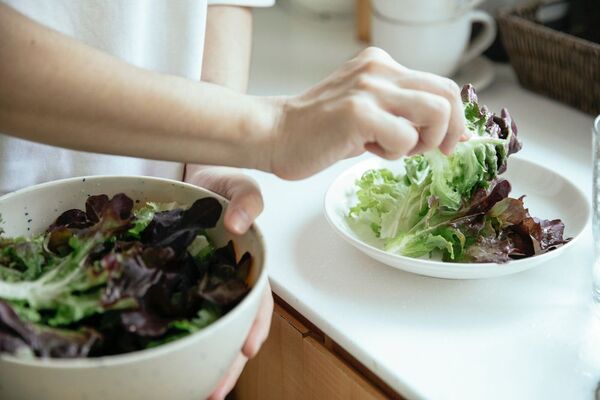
pixel 456 206
pixel 114 279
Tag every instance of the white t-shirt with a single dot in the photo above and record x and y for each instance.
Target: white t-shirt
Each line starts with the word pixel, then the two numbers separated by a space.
pixel 161 35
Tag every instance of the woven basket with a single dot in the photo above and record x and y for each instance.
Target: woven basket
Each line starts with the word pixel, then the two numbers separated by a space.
pixel 550 62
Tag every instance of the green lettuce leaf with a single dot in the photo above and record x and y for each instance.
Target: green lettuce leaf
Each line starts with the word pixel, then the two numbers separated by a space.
pixel 110 280
pixel 143 217
pixel 429 207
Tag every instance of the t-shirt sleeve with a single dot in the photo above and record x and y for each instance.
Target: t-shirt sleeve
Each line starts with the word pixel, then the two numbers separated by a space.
pixel 245 3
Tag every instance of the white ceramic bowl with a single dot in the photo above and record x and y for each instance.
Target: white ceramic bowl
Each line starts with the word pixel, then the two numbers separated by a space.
pixel 549 195
pixel 186 369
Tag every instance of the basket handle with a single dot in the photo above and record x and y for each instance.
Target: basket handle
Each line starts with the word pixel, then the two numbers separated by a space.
pixel 484 39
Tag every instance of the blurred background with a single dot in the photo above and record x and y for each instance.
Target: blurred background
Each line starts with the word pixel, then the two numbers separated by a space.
pixel 553 47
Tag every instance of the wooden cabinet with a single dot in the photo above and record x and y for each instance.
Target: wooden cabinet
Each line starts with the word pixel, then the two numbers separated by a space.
pixel 299 362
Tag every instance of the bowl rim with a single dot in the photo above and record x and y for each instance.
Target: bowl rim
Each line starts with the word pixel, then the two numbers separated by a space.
pixel 328 209
pixel 158 351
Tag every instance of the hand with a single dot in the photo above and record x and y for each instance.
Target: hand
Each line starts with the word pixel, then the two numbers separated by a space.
pixel 246 204
pixel 258 334
pixel 371 103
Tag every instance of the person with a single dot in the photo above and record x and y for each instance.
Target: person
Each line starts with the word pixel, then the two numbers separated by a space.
pixel 111 87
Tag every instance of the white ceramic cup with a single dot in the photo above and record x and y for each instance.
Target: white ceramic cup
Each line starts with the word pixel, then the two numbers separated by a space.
pixel 422 10
pixel 326 8
pixel 439 47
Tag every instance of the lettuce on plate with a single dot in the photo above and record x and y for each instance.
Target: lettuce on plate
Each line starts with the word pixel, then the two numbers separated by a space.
pixel 111 279
pixel 456 206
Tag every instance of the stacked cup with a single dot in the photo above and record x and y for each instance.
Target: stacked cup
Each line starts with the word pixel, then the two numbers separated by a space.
pixel 432 35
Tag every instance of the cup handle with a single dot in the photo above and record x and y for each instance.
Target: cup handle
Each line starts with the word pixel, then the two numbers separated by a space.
pixel 484 39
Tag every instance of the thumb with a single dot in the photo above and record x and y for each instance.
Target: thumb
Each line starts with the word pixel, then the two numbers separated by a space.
pixel 246 204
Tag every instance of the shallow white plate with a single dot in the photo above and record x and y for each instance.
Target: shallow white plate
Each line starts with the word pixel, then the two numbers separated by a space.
pixel 548 195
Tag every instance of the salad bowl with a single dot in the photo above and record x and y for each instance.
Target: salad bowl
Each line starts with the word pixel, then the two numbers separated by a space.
pixel 186 368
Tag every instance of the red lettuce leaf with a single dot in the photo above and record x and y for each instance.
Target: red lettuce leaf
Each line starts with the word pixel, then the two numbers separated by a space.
pixel 166 283
pixel 129 277
pixel 506 125
pixel 533 236
pixel 483 200
pixel 94 207
pixel 497 228
pixel 74 218
pixel 179 293
pixel 11 344
pixel 509 232
pixel 223 285
pixel 97 207
pixel 103 216
pixel 178 228
pixel 223 292
pixel 144 323
pixel 43 341
pixel 490 249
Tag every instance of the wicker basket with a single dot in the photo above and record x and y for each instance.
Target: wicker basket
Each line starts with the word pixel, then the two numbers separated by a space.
pixel 550 62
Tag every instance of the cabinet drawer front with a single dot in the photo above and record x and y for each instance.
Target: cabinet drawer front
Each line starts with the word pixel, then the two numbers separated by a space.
pixel 294 364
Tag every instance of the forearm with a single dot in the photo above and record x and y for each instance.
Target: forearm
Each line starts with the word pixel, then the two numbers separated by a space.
pixel 60 92
pixel 226 60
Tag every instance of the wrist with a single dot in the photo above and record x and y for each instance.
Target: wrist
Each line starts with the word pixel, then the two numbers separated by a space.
pixel 261 128
pixel 207 175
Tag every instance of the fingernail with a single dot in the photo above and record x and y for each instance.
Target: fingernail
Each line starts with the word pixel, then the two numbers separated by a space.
pixel 251 350
pixel 254 347
pixel 240 220
pixel 446 149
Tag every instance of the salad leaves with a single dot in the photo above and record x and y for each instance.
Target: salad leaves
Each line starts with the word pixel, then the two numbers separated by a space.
pixel 456 205
pixel 111 279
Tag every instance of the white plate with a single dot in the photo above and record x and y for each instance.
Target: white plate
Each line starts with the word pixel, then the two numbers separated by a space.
pixel 549 196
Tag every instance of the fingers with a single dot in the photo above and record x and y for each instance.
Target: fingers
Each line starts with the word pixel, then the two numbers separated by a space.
pixel 246 201
pixel 388 136
pixel 374 60
pixel 246 204
pixel 228 381
pixel 370 103
pixel 429 113
pixel 258 334
pixel 446 88
pixel 261 326
pixel 431 103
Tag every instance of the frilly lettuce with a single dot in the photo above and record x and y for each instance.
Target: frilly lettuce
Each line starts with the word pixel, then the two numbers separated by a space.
pixel 455 205
pixel 111 280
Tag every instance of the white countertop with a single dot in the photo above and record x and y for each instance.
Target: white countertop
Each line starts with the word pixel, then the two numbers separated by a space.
pixel 526 336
